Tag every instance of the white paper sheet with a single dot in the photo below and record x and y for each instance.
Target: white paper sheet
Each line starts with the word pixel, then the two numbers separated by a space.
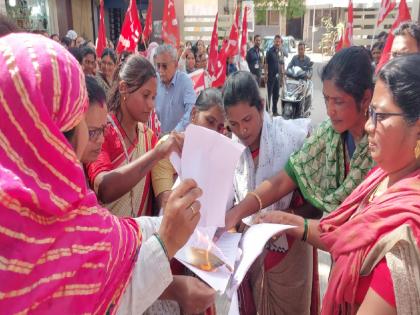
pixel 252 244
pixel 218 279
pixel 234 305
pixel 227 248
pixel 210 159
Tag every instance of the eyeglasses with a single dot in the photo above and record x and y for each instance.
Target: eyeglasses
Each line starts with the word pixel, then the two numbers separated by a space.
pixel 375 117
pixel 95 133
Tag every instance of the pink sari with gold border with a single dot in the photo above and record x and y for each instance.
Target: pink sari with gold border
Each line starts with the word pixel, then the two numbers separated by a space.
pixel 359 237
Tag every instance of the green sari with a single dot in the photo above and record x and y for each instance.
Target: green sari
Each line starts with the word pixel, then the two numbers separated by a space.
pixel 319 169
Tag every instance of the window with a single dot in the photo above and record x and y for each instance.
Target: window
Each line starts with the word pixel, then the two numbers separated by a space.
pixel 30 15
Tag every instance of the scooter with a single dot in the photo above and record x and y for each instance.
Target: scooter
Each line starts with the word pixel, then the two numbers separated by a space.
pixel 296 94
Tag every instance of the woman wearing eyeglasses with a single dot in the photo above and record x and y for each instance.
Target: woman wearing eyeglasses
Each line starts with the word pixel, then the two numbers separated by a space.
pixel 96 120
pixel 374 236
pixel 327 168
pixel 121 174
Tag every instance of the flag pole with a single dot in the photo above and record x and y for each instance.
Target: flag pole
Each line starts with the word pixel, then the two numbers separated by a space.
pixel 376 28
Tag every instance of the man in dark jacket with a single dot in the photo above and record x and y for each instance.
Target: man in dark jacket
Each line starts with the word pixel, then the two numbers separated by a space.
pixel 274 71
pixel 254 58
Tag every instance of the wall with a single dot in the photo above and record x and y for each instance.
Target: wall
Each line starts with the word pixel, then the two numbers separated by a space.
pixel 82 18
pixel 363 24
pixel 62 8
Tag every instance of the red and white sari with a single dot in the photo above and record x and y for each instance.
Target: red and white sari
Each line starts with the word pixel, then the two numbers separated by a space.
pixel 114 154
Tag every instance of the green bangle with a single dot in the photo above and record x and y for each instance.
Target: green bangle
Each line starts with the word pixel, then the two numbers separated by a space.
pixel 161 244
pixel 305 229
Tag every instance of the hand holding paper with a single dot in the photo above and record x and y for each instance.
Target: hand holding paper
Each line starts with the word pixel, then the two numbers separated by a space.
pixel 210 159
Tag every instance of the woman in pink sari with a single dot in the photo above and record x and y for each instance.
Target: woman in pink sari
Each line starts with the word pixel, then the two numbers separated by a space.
pixel 374 236
pixel 60 252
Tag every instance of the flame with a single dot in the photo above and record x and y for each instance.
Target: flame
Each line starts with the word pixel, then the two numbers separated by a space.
pixel 204 239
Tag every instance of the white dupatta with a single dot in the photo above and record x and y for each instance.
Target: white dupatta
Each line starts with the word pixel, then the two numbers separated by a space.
pixel 279 139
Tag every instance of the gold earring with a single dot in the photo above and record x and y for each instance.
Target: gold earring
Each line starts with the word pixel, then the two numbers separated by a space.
pixel 417 150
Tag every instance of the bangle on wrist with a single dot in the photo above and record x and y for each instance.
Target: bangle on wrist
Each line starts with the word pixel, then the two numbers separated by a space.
pixel 162 244
pixel 305 229
pixel 258 199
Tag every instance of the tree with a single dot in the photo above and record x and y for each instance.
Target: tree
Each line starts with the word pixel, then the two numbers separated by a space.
pixel 289 8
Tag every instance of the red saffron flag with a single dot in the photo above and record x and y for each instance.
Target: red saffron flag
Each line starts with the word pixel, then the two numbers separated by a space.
pixel 232 48
pixel 216 68
pixel 403 16
pixel 384 9
pixel 170 29
pixel 101 43
pixel 131 29
pixel 346 39
pixel 154 123
pixel 213 49
pixel 148 27
pixel 244 33
pixel 197 78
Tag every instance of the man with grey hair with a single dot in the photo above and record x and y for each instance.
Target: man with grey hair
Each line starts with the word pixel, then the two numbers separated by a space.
pixel 175 93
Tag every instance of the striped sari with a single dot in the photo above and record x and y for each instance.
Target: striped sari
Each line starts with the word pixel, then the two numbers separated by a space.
pixel 60 252
pixel 114 154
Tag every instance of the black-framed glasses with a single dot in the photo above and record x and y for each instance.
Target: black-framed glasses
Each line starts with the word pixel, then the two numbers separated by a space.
pixel 95 133
pixel 375 117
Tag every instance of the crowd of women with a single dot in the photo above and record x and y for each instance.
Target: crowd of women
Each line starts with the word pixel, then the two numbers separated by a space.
pixel 82 180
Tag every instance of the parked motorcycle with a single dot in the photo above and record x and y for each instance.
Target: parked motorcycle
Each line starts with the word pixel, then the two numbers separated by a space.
pixel 296 94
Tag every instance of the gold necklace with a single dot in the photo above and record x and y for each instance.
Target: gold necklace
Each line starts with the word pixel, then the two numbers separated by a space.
pixel 380 189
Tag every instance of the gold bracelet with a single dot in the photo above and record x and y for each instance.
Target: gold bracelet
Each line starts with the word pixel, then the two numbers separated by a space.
pixel 258 199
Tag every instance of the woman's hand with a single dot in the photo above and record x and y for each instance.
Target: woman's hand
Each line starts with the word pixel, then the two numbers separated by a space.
pixel 281 217
pixel 181 216
pixel 173 143
pixel 231 219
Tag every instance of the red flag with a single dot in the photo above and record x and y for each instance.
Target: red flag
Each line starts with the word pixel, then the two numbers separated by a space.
pixel 232 48
pixel 220 76
pixel 131 29
pixel 346 39
pixel 197 78
pixel 217 61
pixel 170 29
pixel 213 50
pixel 384 9
pixel 101 43
pixel 244 32
pixel 148 28
pixel 225 43
pixel 403 16
pixel 154 123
